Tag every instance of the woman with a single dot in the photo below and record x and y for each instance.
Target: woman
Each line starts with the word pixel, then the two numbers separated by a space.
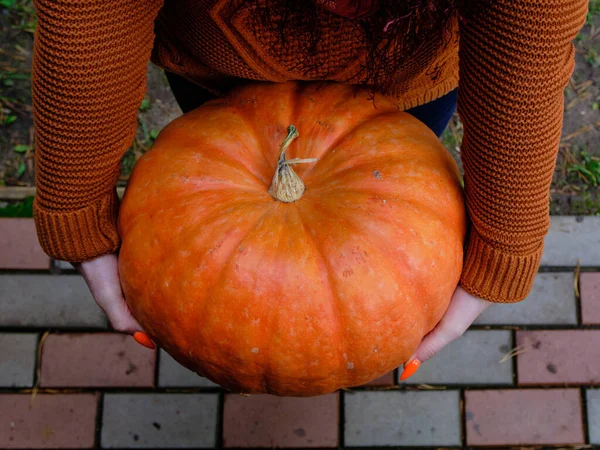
pixel 514 60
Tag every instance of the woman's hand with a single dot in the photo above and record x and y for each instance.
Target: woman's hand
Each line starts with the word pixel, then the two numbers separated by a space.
pixel 102 277
pixel 462 312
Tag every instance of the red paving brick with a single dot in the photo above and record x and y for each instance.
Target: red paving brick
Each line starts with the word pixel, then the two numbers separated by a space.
pixel 20 246
pixel 558 357
pixel 267 421
pixel 51 421
pixel 96 360
pixel 524 417
pixel 589 283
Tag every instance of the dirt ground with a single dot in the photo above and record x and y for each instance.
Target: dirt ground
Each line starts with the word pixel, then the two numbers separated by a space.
pixel 575 188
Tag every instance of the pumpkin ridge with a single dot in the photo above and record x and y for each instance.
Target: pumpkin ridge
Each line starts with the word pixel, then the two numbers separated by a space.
pixel 367 235
pixel 259 138
pixel 342 95
pixel 247 189
pixel 232 164
pixel 286 90
pixel 335 90
pixel 212 216
pixel 335 144
pixel 355 225
pixel 273 319
pixel 421 206
pixel 336 299
pixel 224 271
pixel 183 238
pixel 384 160
pixel 209 146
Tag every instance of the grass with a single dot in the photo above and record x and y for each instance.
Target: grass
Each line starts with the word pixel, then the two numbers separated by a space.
pixel 587 205
pixel 7 119
pixel 448 139
pixel 452 137
pixel 587 168
pixel 592 57
pixel 23 11
pixel 22 208
pixel 593 9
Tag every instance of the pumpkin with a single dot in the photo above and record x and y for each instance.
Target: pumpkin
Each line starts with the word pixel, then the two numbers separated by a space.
pixel 292 239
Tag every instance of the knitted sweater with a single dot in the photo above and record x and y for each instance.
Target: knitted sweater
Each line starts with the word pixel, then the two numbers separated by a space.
pixel 514 60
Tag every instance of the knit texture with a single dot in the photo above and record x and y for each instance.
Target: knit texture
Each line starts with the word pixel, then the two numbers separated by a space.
pixel 516 59
pixel 89 77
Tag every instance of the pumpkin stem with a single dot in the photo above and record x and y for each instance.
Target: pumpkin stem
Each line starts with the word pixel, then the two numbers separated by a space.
pixel 287 186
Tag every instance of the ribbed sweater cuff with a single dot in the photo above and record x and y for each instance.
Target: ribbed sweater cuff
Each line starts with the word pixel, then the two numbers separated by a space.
pixel 497 276
pixel 80 235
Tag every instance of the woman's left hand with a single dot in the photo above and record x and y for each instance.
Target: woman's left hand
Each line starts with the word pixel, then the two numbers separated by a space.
pixel 462 312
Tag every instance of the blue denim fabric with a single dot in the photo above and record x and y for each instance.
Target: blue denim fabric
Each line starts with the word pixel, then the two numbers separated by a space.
pixel 437 114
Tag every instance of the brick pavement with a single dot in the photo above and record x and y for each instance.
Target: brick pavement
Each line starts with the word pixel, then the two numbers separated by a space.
pixel 98 389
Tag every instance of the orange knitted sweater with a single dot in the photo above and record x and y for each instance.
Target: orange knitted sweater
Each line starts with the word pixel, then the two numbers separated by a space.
pixel 514 60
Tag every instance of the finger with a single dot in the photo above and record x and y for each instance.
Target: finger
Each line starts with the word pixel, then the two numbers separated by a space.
pixel 118 313
pixel 462 312
pixel 102 277
pixel 122 320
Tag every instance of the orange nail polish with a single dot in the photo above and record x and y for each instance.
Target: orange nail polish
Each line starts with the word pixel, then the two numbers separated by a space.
pixel 410 368
pixel 143 339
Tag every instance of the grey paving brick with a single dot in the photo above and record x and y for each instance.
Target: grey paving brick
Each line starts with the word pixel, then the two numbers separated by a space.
pixel 551 301
pixel 402 418
pixel 471 359
pixel 173 374
pixel 570 239
pixel 593 413
pixel 159 420
pixel 48 301
pixel 17 359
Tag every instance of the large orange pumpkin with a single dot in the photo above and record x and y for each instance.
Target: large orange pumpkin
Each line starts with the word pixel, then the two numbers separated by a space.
pixel 300 271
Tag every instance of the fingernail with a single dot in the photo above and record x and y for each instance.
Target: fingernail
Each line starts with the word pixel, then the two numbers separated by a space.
pixel 410 368
pixel 143 339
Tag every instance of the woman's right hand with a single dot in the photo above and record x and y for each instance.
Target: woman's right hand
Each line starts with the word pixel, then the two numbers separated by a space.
pixel 102 277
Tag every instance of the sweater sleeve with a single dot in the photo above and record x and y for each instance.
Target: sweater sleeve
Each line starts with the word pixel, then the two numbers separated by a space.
pixel 89 78
pixel 516 57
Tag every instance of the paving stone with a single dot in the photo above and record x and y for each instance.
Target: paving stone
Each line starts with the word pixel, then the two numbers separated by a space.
pixel 589 285
pixel 593 414
pixel 524 417
pixel 408 418
pixel 559 356
pixel 551 301
pixel 474 358
pixel 159 420
pixel 275 422
pixel 96 360
pixel 50 421
pixel 173 374
pixel 572 238
pixel 17 359
pixel 20 246
pixel 48 301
